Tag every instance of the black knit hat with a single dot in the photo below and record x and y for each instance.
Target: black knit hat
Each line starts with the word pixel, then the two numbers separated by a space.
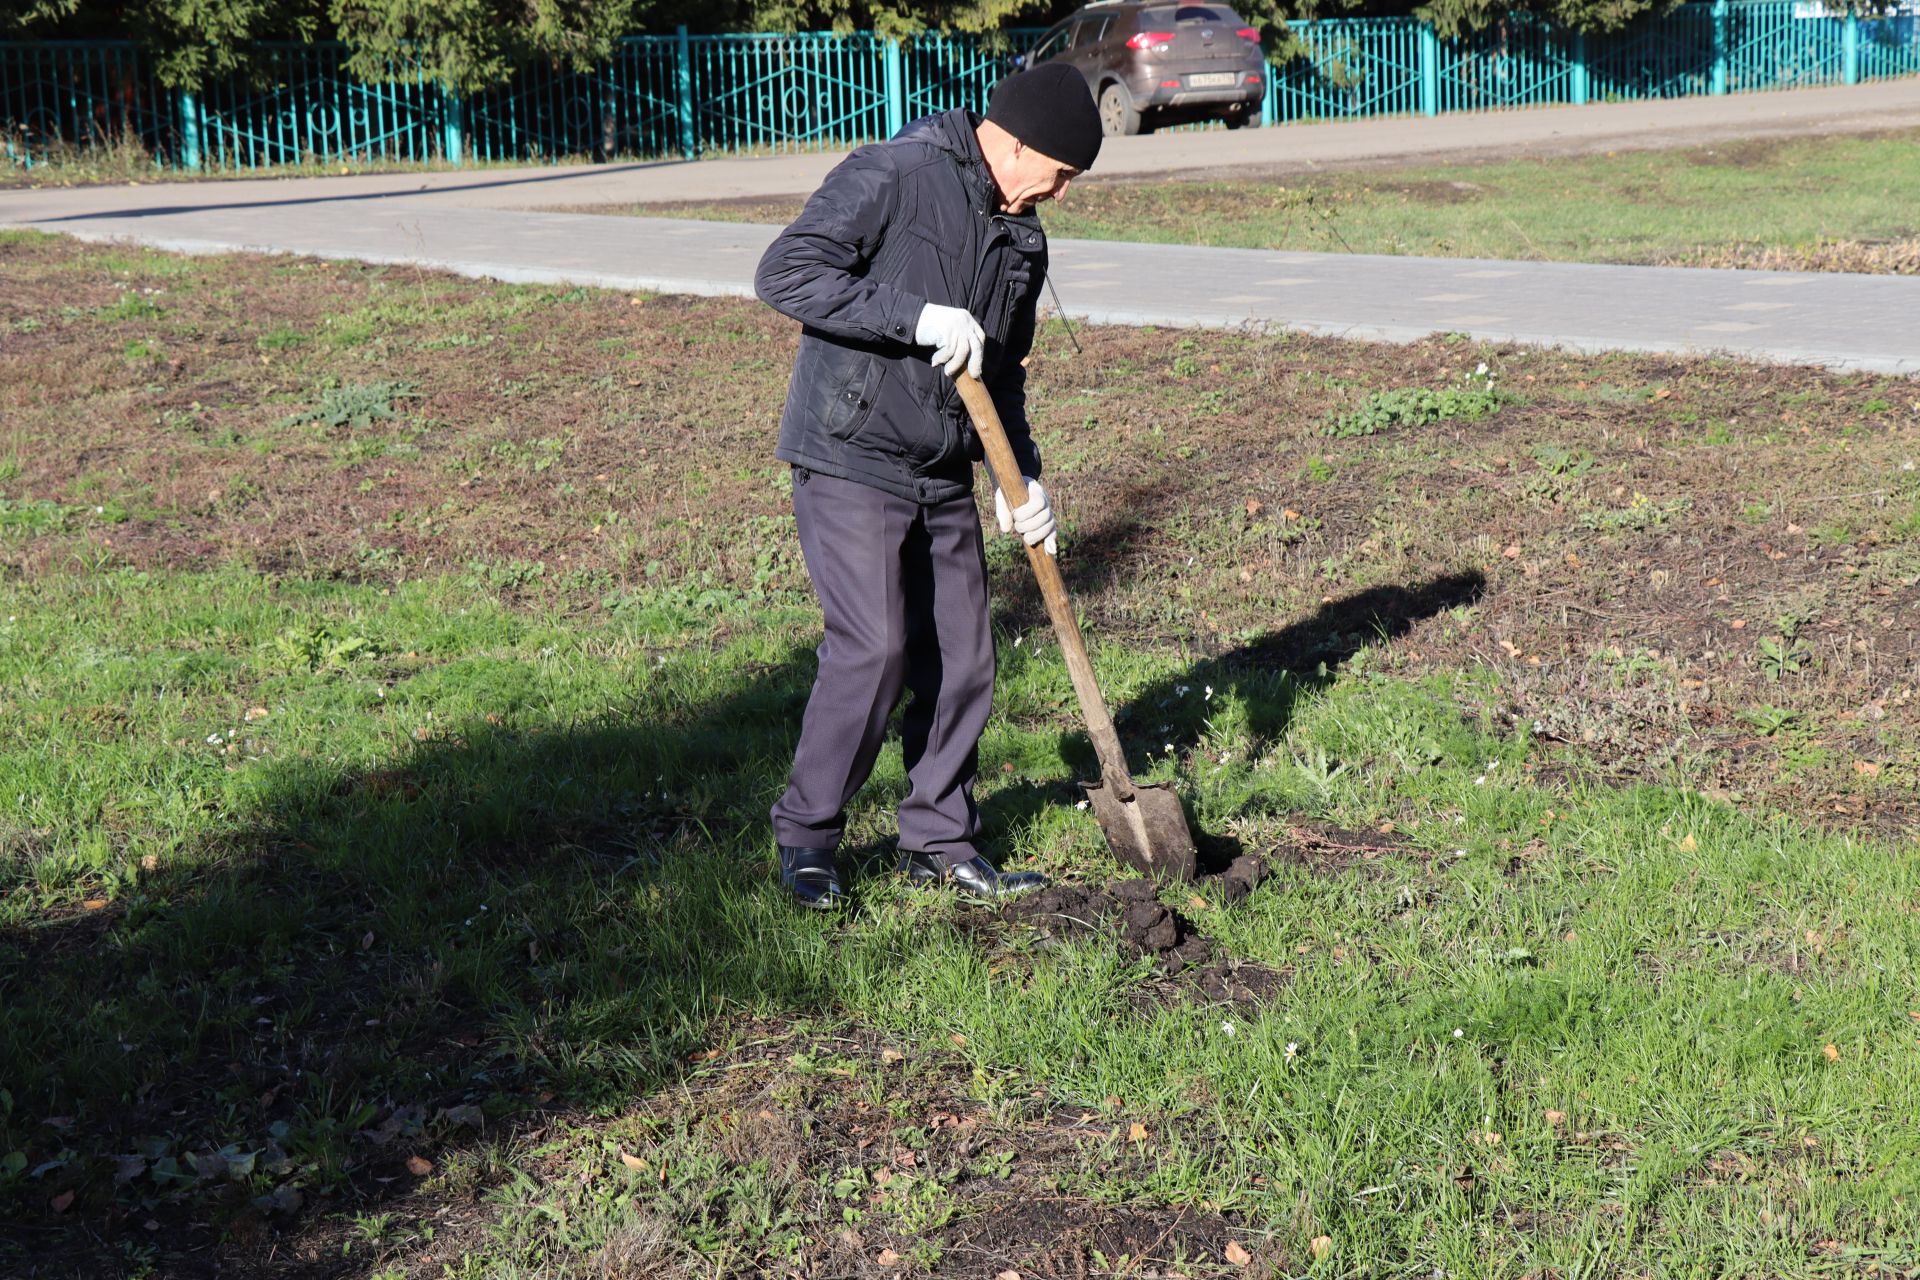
pixel 1050 109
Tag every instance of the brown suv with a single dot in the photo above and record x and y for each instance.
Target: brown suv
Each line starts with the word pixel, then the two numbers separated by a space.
pixel 1151 63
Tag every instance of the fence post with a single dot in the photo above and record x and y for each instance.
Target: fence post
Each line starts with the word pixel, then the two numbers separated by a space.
pixel 683 89
pixel 189 130
pixel 1850 47
pixel 1578 85
pixel 453 141
pixel 896 89
pixel 1719 47
pixel 1429 70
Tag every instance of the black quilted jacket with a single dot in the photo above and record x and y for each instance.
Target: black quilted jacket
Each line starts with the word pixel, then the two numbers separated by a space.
pixel 896 225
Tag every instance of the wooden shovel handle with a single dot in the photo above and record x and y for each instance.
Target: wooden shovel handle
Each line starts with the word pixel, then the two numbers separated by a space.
pixel 1053 589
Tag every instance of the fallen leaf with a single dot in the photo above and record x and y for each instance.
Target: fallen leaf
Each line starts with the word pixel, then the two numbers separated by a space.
pixel 1136 1132
pixel 632 1162
pixel 1254 506
pixel 1688 844
pixel 62 1202
pixel 1832 1052
pixel 1556 1118
pixel 959 1040
pixel 1113 1100
pixel 1321 1246
pixel 94 904
pixel 888 1258
pixel 1866 768
pixel 1512 551
pixel 1238 1256
pixel 890 1056
pixel 256 713
pixel 1738 624
pixel 1663 393
pixel 1008 1275
pixel 1197 902
pixel 419 1166
pixel 1513 650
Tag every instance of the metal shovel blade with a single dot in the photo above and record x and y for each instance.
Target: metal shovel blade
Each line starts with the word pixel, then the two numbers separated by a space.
pixel 1149 832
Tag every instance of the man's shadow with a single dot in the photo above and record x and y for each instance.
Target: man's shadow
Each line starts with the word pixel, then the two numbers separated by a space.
pixel 397 963
pixel 1266 676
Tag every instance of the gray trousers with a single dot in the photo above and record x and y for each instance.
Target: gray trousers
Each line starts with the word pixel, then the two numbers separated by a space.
pixel 903 588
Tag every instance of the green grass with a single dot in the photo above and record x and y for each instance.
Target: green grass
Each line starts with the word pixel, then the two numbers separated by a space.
pixel 1630 206
pixel 1568 1027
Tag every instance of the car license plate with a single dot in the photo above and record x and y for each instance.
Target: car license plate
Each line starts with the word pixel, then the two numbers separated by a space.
pixel 1212 80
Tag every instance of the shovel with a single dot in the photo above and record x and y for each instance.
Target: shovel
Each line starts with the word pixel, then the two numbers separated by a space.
pixel 1145 826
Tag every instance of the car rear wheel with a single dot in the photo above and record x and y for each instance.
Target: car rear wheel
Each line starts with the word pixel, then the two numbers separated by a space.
pixel 1118 116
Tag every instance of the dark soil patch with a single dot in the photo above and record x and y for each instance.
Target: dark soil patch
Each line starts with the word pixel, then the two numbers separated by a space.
pixel 1054 1239
pixel 572 447
pixel 1131 912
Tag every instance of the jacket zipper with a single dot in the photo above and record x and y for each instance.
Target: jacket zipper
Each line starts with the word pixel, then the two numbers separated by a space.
pixel 949 424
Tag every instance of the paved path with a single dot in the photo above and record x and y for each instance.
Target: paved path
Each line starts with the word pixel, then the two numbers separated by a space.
pixel 1541 131
pixel 1860 322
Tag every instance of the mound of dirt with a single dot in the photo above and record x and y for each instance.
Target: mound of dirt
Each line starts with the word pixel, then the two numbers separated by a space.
pixel 1146 926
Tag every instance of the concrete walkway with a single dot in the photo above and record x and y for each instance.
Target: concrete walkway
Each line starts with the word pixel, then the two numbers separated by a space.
pixel 467 222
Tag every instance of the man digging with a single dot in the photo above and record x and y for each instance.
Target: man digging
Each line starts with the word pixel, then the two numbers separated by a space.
pixel 917 257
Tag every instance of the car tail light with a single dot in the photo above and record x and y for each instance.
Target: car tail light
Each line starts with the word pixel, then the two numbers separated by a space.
pixel 1248 33
pixel 1150 40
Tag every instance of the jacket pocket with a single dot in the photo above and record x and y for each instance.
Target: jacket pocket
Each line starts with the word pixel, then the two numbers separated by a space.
pixel 1019 283
pixel 850 401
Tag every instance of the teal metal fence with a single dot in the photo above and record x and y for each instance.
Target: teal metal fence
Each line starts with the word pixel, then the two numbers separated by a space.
pixel 690 95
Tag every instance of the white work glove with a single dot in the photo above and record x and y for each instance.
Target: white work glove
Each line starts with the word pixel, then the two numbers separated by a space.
pixel 1034 522
pixel 957 339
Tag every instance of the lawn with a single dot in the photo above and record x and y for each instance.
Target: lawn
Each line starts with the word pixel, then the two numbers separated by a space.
pixel 395 671
pixel 1844 203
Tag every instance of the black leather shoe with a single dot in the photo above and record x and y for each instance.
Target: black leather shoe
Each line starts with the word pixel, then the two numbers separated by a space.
pixel 975 877
pixel 809 875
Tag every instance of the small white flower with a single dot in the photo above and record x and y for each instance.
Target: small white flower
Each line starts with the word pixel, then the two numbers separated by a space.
pixel 1081 805
pixel 1225 756
pixel 1018 641
pixel 213 739
pixel 1481 371
pixel 1209 693
pixel 1293 1050
pixel 1180 689
pixel 1228 1027
pixel 1457 1033
pixel 1480 781
pixel 1169 748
